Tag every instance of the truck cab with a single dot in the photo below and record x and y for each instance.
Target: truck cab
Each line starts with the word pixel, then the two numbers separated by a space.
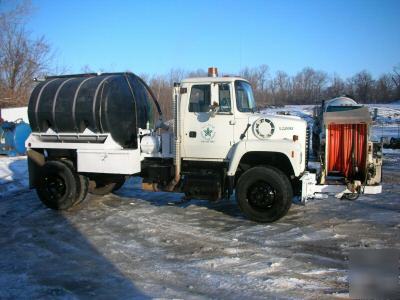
pixel 219 114
pixel 225 143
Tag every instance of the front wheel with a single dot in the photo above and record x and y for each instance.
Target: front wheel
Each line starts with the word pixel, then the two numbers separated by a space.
pixel 264 194
pixel 351 196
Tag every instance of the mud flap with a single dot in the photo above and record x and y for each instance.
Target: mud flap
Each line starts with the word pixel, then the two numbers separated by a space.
pixel 35 161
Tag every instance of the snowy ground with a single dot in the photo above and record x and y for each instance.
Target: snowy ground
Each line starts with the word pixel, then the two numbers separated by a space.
pixel 136 244
pixel 13 174
pixel 386 125
pixel 388 115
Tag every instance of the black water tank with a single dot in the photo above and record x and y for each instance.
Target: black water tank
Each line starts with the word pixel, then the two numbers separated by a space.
pixel 115 103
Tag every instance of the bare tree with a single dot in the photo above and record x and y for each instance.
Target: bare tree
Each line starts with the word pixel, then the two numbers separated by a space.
pixel 176 75
pixel 308 86
pixel 22 58
pixel 336 88
pixel 87 69
pixel 396 74
pixel 161 85
pixel 281 88
pixel 197 73
pixel 396 80
pixel 362 85
pixel 384 89
pixel 259 79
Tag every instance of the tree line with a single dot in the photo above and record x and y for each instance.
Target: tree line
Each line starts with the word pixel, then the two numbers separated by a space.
pixel 308 86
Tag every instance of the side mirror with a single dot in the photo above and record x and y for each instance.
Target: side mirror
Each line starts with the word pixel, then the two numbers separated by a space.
pixel 214 108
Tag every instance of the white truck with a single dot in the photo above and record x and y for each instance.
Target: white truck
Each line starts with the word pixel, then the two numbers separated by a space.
pixel 91 131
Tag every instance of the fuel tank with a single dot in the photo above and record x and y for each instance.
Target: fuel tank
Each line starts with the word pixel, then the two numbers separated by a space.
pixel 115 103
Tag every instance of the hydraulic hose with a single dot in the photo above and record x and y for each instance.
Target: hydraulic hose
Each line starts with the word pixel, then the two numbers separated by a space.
pixel 152 95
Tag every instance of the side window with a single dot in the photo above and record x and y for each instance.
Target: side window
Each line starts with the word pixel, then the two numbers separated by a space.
pixel 224 97
pixel 200 98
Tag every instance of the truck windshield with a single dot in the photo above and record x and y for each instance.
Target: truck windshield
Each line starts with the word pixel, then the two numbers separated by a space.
pixel 244 97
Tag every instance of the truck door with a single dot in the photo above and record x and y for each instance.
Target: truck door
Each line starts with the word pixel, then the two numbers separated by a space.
pixel 206 136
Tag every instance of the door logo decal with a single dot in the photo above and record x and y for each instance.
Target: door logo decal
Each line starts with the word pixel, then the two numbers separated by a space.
pixel 208 133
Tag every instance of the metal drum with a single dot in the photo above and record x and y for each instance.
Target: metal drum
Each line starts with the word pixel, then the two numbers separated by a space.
pixel 13 136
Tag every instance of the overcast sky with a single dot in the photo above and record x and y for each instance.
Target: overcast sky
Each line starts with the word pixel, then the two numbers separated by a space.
pixel 154 36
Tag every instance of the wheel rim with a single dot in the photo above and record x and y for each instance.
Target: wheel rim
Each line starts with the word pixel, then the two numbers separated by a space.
pixel 261 195
pixel 55 187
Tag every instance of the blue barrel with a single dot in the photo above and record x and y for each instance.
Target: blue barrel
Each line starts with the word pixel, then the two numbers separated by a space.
pixel 13 137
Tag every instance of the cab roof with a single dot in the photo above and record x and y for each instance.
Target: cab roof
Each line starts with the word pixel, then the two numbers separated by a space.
pixel 212 79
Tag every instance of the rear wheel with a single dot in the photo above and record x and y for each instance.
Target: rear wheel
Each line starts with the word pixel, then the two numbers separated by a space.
pixel 83 186
pixel 102 189
pixel 264 194
pixel 57 186
pixel 106 185
pixel 119 184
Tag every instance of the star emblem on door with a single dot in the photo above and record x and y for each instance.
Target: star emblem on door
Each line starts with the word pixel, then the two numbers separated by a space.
pixel 208 132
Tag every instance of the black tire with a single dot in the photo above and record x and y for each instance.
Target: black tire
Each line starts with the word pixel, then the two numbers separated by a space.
pixel 106 185
pixel 119 184
pixel 102 189
pixel 57 186
pixel 83 182
pixel 351 197
pixel 264 194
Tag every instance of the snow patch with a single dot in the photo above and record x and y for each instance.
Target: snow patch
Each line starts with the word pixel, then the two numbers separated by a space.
pixel 285 283
pixel 13 175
